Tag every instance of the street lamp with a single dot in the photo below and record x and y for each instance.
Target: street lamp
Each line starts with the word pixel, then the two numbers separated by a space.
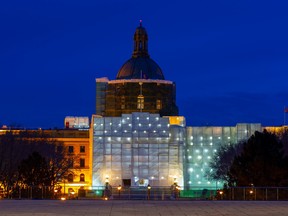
pixel 148 188
pixel 119 190
pixel 221 194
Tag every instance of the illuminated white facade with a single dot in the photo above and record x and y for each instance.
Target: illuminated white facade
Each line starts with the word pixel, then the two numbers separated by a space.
pixel 202 143
pixel 137 149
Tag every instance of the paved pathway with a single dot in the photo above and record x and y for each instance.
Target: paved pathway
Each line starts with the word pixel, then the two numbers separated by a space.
pixel 147 208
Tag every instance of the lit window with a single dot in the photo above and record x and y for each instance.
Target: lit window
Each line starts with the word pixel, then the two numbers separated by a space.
pixel 158 104
pixel 140 102
pixel 82 177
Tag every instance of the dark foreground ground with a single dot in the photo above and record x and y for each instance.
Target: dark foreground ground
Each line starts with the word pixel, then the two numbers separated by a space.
pixel 128 208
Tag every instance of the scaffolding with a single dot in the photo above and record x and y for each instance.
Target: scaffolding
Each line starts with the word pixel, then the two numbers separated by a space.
pixel 136 150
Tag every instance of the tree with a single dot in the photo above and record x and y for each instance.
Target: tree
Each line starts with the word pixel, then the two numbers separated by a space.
pixel 19 147
pixel 221 162
pixel 261 163
pixel 34 171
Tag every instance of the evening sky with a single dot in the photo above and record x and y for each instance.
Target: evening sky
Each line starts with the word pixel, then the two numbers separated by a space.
pixel 228 58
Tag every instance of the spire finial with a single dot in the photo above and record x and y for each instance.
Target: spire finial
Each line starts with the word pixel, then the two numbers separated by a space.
pixel 140 23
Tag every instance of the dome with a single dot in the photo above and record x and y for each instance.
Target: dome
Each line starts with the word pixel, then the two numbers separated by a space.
pixel 140 65
pixel 140 68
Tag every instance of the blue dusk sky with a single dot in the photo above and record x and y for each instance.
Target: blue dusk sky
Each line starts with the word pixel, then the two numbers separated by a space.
pixel 228 58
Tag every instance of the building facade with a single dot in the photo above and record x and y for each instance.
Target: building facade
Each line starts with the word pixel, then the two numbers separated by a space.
pixel 137 149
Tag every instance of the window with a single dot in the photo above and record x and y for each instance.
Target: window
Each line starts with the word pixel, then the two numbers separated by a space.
pixel 140 102
pixel 82 162
pixel 70 163
pixel 158 104
pixel 122 102
pixel 70 178
pixel 82 177
pixel 70 149
pixel 82 149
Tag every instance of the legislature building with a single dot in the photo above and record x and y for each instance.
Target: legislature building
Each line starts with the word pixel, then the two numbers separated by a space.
pixel 136 137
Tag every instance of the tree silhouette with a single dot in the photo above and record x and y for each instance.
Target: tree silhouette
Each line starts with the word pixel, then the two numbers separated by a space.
pixel 34 170
pixel 261 163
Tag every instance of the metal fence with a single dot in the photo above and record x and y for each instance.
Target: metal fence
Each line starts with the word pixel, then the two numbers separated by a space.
pixel 151 193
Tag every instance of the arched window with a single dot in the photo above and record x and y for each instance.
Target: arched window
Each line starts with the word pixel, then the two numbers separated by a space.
pixel 70 178
pixel 82 177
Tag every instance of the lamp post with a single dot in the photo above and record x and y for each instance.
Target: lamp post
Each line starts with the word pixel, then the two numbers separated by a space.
pixel 119 190
pixel 221 194
pixel 148 191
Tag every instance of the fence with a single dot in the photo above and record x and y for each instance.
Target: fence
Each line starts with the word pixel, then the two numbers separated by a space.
pixel 152 193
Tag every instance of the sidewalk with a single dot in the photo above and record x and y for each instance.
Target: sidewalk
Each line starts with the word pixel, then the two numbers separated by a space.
pixel 147 208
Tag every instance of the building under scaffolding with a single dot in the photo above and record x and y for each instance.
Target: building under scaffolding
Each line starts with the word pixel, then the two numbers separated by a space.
pixel 138 149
